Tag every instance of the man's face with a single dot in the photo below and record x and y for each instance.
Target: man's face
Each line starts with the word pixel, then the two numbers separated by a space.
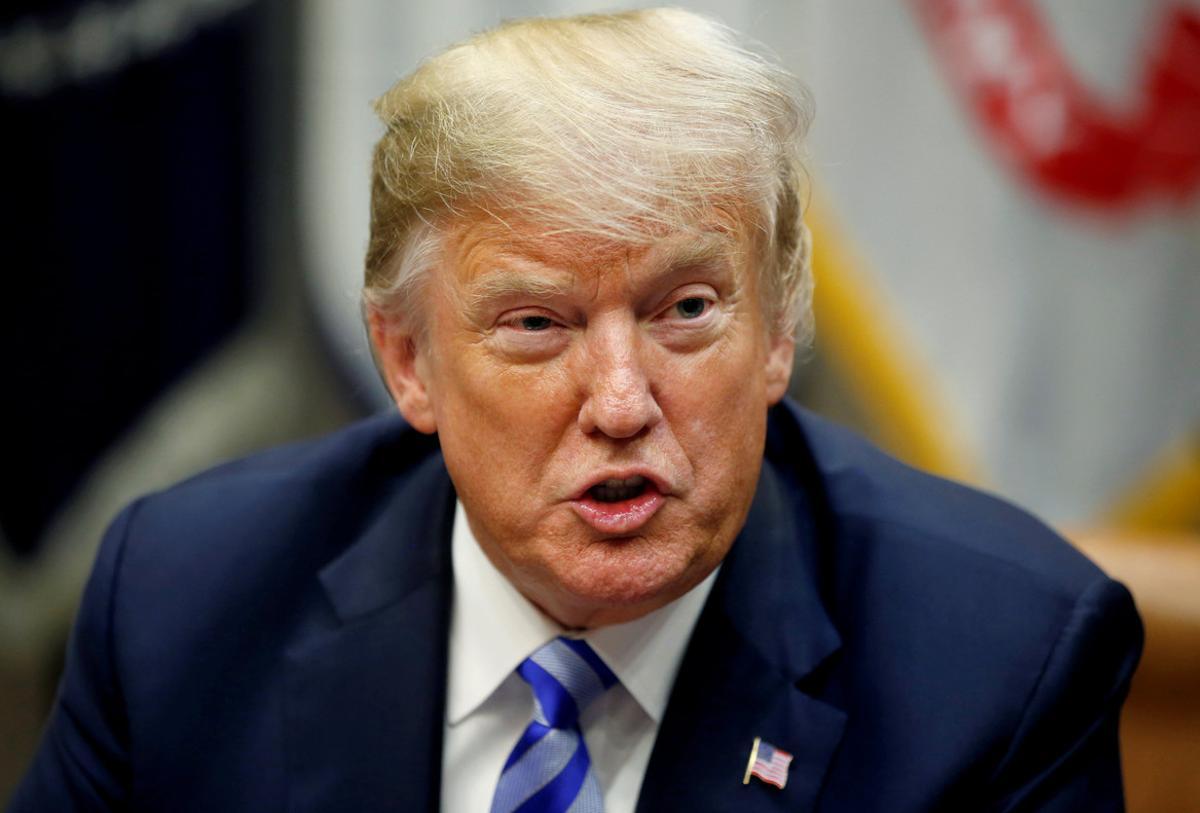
pixel 601 407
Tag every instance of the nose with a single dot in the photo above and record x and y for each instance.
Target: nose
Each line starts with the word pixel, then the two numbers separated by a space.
pixel 619 400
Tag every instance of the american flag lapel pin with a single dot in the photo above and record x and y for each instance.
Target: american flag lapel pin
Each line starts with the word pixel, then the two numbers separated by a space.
pixel 768 763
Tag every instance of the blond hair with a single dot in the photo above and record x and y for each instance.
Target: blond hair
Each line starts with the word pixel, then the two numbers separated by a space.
pixel 624 126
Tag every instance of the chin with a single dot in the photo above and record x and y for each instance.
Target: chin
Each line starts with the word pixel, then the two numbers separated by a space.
pixel 624 578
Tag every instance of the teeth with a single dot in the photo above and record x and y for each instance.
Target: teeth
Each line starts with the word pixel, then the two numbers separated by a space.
pixel 616 489
pixel 636 481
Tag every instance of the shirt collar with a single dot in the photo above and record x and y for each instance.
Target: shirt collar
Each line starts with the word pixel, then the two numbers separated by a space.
pixel 493 628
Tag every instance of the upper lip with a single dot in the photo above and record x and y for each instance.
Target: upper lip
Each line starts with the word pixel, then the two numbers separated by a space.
pixel 621 474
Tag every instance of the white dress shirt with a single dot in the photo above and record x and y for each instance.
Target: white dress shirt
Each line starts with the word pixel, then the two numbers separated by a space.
pixel 493 628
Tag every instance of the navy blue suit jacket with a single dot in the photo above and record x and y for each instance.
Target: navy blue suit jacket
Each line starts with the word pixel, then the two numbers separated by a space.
pixel 271 636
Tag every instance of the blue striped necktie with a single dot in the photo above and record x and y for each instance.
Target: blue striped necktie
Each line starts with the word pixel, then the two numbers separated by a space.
pixel 549 770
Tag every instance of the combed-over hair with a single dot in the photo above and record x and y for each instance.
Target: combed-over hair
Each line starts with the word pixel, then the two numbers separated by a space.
pixel 625 126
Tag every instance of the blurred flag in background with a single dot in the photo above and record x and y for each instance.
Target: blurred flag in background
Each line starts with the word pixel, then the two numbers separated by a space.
pixel 1017 183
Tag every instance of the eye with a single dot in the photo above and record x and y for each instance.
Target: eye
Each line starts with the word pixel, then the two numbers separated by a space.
pixel 691 308
pixel 535 323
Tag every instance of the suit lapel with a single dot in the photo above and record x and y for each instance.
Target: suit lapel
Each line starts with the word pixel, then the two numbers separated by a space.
pixel 759 644
pixel 366 694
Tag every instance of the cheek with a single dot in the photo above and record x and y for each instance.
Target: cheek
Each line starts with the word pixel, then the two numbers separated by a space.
pixel 711 393
pixel 499 423
pixel 717 409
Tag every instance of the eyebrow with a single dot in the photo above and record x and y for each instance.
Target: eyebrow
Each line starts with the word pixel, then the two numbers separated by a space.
pixel 498 286
pixel 698 250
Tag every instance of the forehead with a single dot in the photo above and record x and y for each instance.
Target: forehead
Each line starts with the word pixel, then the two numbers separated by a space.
pixel 484 247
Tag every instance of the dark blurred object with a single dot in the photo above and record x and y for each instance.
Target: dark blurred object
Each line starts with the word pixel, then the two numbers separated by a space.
pixel 1160 727
pixel 153 312
pixel 127 127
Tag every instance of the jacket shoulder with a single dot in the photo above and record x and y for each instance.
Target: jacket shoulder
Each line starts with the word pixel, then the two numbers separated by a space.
pixel 385 437
pixel 181 652
pixel 304 477
pixel 873 497
pixel 947 598
pixel 262 526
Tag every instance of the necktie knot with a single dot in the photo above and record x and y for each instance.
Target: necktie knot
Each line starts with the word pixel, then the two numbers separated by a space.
pixel 566 676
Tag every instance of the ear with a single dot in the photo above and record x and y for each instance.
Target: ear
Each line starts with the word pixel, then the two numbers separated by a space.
pixel 405 370
pixel 780 352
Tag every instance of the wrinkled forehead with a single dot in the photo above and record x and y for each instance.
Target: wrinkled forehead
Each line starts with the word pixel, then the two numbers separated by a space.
pixel 474 245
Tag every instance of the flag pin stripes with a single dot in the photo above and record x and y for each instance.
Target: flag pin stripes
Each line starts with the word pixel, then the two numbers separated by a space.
pixel 768 763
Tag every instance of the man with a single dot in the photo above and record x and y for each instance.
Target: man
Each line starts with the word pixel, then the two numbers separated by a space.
pixel 600 566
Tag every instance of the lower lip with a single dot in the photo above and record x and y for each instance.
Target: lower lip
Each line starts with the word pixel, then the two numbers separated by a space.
pixel 619 518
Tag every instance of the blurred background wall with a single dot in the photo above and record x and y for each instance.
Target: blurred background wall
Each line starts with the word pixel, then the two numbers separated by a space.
pixel 1006 211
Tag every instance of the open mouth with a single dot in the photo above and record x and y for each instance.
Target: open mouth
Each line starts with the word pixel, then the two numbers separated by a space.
pixel 619 489
pixel 619 506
